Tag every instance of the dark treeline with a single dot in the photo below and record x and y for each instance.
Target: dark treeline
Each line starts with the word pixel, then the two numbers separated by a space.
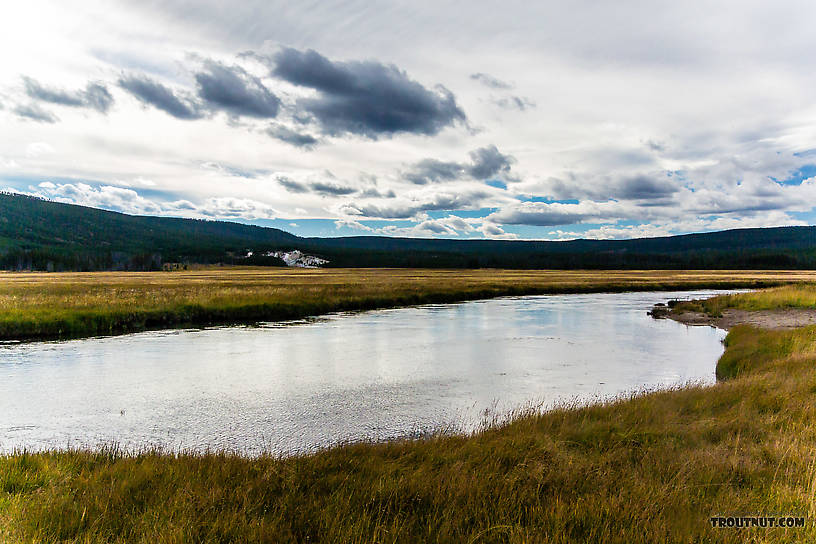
pixel 711 259
pixel 37 234
pixel 55 260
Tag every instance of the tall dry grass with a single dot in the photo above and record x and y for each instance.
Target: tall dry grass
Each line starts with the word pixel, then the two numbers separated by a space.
pixel 796 295
pixel 40 305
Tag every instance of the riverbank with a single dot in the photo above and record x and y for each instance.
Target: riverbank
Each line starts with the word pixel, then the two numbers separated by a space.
pixel 40 306
pixel 649 468
pixel 788 307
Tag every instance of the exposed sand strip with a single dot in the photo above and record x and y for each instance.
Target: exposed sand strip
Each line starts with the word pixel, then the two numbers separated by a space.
pixel 767 319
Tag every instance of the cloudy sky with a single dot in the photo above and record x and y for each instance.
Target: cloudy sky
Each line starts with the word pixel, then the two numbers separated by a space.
pixel 512 119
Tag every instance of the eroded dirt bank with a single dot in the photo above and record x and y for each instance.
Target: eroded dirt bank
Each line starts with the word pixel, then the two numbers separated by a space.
pixel 790 318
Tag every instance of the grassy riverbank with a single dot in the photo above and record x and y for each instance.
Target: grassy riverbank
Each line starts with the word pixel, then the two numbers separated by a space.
pixel 801 296
pixel 651 468
pixel 41 305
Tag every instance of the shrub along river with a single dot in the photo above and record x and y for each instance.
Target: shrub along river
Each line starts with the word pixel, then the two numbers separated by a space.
pixel 297 386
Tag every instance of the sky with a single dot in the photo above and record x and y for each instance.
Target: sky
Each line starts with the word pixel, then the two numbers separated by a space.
pixel 511 120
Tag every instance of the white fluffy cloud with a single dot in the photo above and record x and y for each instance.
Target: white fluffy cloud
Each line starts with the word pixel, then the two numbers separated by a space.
pixel 107 197
pixel 129 201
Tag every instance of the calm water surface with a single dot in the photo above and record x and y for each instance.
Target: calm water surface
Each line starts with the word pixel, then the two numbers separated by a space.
pixel 375 375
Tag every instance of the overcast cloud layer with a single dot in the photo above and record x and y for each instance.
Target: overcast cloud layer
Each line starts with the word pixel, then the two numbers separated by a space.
pixel 548 121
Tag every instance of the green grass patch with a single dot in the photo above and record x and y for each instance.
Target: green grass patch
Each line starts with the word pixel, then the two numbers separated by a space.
pixel 749 348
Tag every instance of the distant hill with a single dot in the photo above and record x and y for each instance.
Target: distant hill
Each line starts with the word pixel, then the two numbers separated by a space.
pixel 43 235
pixel 39 234
pixel 780 247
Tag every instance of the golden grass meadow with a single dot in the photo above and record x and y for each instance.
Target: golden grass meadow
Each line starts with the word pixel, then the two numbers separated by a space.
pixel 43 305
pixel 650 467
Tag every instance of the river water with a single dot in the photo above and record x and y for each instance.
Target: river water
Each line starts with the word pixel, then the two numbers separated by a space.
pixel 297 386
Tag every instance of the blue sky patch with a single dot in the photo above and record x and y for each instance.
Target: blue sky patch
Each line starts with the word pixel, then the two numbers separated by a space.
pixel 798 176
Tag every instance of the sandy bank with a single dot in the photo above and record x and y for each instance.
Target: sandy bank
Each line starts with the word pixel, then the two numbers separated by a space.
pixel 790 318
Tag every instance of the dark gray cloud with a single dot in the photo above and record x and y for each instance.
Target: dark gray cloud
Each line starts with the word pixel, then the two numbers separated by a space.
pixel 293 137
pixel 157 95
pixel 509 102
pixel 538 217
pixel 406 210
pixel 489 162
pixel 365 97
pixel 514 103
pixel 434 227
pixel 486 162
pixel 235 171
pixel 490 81
pixel 35 113
pixel 322 187
pixel 432 170
pixel 490 229
pixel 644 187
pixel 95 95
pixel 182 205
pixel 329 188
pixel 55 96
pixel 743 202
pixel 373 192
pixel 551 219
pixel 292 186
pixel 234 90
pixel 654 187
pixel 98 97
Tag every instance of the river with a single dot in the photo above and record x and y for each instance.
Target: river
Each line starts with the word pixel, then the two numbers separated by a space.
pixel 298 386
